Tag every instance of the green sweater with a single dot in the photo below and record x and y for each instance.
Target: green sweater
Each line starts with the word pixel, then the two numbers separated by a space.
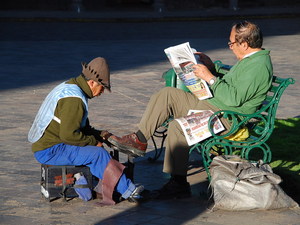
pixel 70 111
pixel 245 86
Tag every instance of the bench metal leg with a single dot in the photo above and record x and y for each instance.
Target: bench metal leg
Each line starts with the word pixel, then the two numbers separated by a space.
pixel 158 151
pixel 130 168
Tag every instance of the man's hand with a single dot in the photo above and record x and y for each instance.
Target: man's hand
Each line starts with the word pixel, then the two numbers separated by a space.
pixel 206 61
pixel 104 134
pixel 100 144
pixel 203 72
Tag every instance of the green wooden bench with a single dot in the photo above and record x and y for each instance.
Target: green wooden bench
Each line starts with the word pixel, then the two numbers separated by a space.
pixel 259 125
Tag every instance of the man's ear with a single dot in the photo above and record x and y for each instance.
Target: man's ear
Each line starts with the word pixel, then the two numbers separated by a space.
pixel 91 83
pixel 245 45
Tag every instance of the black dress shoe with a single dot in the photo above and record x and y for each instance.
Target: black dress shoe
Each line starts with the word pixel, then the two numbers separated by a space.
pixel 173 190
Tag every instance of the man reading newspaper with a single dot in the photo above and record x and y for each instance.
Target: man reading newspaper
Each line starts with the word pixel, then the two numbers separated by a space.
pixel 242 89
pixel 182 60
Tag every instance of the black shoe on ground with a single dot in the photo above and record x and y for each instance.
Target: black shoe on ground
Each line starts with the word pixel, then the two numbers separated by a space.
pixel 173 190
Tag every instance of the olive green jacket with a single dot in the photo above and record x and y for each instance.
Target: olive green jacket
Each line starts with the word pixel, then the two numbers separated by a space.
pixel 70 111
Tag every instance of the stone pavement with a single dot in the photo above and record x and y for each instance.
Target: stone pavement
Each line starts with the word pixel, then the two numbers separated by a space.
pixel 37 55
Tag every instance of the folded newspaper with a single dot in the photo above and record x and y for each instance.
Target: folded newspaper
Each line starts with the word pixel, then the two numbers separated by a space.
pixel 182 60
pixel 195 125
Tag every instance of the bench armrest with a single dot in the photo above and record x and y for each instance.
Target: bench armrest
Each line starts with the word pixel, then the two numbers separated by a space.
pixel 237 121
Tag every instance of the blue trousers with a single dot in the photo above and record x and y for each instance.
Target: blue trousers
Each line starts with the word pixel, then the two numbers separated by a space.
pixel 96 158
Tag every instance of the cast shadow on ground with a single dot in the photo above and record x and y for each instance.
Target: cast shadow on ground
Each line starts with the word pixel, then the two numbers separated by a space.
pixel 174 211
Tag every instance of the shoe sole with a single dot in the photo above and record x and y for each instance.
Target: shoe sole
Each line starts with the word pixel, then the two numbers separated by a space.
pixel 125 149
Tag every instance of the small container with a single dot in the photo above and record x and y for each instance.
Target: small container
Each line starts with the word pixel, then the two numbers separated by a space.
pixel 81 187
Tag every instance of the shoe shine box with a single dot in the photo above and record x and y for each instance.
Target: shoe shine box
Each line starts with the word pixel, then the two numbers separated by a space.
pixel 58 181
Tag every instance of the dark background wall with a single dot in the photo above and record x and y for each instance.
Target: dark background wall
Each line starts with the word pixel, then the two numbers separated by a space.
pixel 170 5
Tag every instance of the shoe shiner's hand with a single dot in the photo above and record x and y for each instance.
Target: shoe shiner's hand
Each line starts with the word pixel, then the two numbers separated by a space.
pixel 104 134
pixel 100 144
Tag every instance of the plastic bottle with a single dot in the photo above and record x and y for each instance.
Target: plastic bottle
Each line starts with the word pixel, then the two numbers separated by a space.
pixel 84 193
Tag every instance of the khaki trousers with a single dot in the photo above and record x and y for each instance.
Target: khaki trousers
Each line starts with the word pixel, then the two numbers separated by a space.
pixel 172 101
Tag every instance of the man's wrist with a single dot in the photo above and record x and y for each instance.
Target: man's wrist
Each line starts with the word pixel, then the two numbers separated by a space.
pixel 212 80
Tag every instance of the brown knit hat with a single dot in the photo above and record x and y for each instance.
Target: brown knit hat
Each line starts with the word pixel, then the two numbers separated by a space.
pixel 97 70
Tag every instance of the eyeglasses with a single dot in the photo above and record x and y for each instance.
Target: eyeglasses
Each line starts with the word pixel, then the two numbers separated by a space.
pixel 230 43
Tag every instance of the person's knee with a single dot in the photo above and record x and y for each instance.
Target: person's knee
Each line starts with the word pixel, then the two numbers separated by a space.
pixel 168 90
pixel 159 95
pixel 101 153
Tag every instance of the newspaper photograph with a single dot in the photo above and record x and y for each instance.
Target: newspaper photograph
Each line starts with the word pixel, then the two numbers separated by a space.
pixel 182 59
pixel 195 125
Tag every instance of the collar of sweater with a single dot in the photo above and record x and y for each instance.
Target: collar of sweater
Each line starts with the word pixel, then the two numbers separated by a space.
pixel 80 81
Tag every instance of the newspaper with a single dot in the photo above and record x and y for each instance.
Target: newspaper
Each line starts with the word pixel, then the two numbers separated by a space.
pixel 182 60
pixel 195 125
